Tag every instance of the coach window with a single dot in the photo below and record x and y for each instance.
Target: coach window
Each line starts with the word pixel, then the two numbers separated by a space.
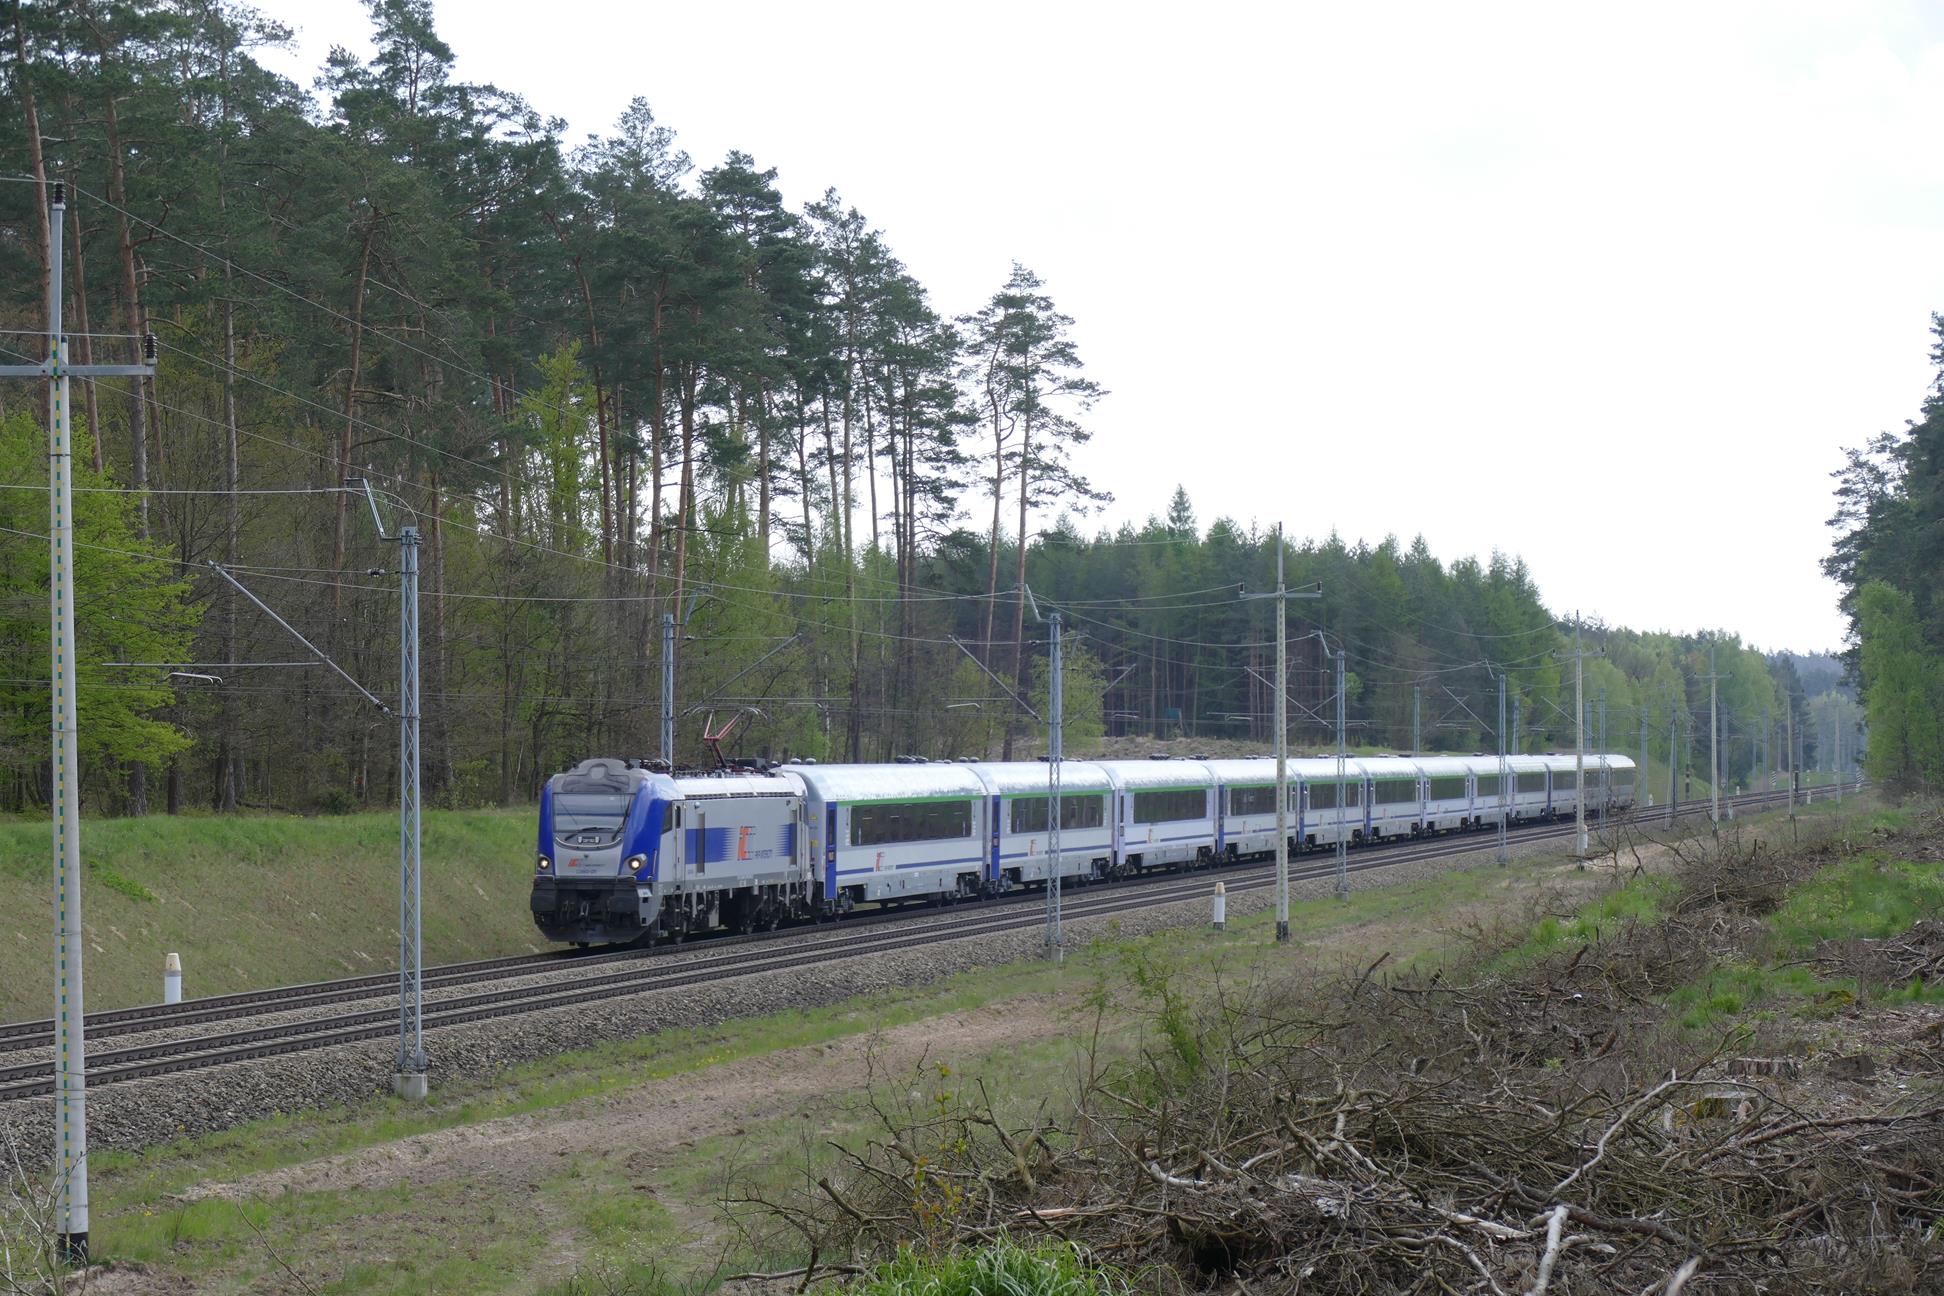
pixel 1083 811
pixel 1488 785
pixel 1449 788
pixel 1323 796
pixel 1172 806
pixel 1396 791
pixel 888 823
pixel 1565 781
pixel 1533 782
pixel 1252 800
pixel 1028 813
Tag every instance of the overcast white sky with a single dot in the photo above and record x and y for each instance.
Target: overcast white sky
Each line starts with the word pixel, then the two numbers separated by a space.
pixel 1605 287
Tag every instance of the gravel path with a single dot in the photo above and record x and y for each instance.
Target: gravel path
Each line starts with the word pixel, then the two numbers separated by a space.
pixel 138 1114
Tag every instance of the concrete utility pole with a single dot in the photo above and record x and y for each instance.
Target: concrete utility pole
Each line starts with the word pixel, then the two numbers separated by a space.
pixel 1417 700
pixel 1714 739
pixel 1517 716
pixel 1603 743
pixel 1762 757
pixel 70 1044
pixel 1579 750
pixel 1503 775
pixel 1673 745
pixel 1579 656
pixel 1789 744
pixel 1343 836
pixel 1055 809
pixel 1687 754
pixel 1282 597
pixel 1840 722
pixel 668 690
pixel 1640 775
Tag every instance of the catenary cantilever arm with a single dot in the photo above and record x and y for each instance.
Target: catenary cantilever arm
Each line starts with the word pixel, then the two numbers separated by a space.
pixel 317 652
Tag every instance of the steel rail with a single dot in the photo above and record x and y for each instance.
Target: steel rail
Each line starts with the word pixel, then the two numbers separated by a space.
pixel 30 1080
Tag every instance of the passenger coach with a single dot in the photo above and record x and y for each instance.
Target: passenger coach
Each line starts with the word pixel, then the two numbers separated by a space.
pixel 629 854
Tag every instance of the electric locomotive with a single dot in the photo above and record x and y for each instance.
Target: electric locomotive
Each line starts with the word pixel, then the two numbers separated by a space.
pixel 630 854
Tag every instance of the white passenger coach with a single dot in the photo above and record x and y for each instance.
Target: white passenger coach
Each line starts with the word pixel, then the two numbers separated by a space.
pixel 630 854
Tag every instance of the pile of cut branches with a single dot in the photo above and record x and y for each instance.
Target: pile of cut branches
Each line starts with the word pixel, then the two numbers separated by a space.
pixel 1525 1126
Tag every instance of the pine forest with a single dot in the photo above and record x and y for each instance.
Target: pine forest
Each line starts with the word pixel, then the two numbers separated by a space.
pixel 612 386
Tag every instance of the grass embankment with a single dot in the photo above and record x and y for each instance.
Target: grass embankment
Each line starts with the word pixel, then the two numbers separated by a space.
pixel 622 1217
pixel 1387 1134
pixel 252 902
pixel 380 1198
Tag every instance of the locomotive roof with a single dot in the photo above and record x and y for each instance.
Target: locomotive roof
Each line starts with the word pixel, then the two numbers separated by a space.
pixel 726 785
pixel 886 782
pixel 1008 778
pixel 604 773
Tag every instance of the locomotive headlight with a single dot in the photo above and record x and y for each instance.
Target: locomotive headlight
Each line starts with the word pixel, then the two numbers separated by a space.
pixel 543 865
pixel 634 864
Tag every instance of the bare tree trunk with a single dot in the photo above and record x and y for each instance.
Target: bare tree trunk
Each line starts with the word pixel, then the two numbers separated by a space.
pixel 998 497
pixel 35 158
pixel 830 469
pixel 350 410
pixel 870 460
pixel 138 411
pixel 854 732
pixel 657 444
pixel 685 498
pixel 90 394
pixel 763 471
pixel 228 748
pixel 441 653
pixel 803 482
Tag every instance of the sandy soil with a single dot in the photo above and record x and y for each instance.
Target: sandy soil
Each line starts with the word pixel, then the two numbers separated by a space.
pixel 661 1118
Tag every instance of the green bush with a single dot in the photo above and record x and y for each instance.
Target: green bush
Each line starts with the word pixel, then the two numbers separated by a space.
pixel 1001 1269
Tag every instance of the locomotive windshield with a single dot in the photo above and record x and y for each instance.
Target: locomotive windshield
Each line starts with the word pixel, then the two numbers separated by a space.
pixel 590 818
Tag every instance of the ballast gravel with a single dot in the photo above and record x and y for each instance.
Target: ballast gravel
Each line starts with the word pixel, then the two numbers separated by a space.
pixel 138 1114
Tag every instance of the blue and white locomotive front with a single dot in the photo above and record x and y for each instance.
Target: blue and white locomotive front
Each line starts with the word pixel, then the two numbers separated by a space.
pixel 602 827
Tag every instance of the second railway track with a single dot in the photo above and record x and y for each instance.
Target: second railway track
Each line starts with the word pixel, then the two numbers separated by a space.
pixel 637 971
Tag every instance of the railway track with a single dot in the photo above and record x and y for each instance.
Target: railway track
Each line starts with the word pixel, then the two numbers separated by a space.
pixel 598 977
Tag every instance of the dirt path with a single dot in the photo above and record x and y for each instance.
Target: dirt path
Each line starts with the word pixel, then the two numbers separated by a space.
pixel 654 1121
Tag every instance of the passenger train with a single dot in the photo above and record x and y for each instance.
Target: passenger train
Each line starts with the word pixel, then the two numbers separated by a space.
pixel 630 854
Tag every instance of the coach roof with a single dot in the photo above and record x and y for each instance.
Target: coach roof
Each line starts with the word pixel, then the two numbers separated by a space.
pixel 1024 778
pixel 886 782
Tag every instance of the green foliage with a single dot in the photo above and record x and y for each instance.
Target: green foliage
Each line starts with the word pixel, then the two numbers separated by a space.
pixel 609 386
pixel 1728 991
pixel 128 608
pixel 1903 682
pixel 1083 688
pixel 1864 896
pixel 1640 899
pixel 114 881
pixel 1001 1268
